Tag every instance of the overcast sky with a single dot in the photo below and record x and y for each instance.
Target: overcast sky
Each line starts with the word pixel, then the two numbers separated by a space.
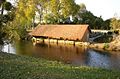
pixel 104 8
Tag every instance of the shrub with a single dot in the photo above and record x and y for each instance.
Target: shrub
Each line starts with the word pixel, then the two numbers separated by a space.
pixel 106 45
pixel 116 31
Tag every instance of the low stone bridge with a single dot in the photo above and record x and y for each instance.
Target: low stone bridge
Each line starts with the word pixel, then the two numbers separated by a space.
pixel 101 31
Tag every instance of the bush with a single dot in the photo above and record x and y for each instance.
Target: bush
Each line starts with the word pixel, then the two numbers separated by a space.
pixel 110 33
pixel 116 31
pixel 106 45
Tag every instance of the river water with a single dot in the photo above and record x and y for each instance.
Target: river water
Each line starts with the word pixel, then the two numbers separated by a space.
pixel 68 54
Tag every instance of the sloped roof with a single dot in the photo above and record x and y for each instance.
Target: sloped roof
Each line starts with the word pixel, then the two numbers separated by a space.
pixel 71 32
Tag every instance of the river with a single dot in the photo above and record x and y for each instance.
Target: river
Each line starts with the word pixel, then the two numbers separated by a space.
pixel 68 54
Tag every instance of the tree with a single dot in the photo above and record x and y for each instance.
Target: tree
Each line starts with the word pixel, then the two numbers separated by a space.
pixel 84 16
pixel 59 10
pixel 5 18
pixel 24 16
pixel 115 23
pixel 98 22
pixel 82 8
pixel 2 3
pixel 106 24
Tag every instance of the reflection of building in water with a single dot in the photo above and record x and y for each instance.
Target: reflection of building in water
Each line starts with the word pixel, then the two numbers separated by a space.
pixel 66 53
pixel 77 55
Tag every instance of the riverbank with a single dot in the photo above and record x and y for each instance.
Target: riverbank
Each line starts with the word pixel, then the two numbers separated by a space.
pixel 105 46
pixel 24 67
pixel 112 46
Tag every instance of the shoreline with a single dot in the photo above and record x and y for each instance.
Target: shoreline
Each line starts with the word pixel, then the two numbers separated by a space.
pixel 22 67
pixel 104 47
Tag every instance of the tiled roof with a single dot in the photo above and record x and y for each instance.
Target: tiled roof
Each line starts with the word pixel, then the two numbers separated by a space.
pixel 71 32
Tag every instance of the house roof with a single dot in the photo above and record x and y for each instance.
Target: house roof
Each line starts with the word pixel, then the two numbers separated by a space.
pixel 71 32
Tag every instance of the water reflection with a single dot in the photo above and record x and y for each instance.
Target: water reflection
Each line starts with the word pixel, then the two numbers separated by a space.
pixel 78 56
pixel 66 53
pixel 9 48
pixel 24 48
pixel 75 55
pixel 98 59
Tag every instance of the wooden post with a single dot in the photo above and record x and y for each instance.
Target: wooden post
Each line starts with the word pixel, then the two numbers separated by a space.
pixel 64 41
pixel 57 41
pixel 36 41
pixel 74 43
pixel 43 41
pixel 48 40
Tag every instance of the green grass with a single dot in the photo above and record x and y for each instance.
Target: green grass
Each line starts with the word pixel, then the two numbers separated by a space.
pixel 23 67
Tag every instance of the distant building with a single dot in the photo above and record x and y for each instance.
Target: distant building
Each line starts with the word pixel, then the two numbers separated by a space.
pixel 64 32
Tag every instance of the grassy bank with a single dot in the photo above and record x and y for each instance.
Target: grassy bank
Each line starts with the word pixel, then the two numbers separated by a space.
pixel 22 67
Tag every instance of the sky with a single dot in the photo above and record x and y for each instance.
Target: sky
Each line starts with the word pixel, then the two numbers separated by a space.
pixel 105 8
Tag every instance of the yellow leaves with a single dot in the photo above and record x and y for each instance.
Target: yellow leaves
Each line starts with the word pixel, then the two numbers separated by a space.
pixel 60 7
pixel 67 7
pixel 115 23
pixel 54 6
pixel 25 11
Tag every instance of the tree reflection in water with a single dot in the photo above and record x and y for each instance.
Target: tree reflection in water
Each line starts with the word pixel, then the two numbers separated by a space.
pixel 69 54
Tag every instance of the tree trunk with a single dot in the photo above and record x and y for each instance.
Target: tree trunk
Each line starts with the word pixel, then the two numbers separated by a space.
pixel 2 9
